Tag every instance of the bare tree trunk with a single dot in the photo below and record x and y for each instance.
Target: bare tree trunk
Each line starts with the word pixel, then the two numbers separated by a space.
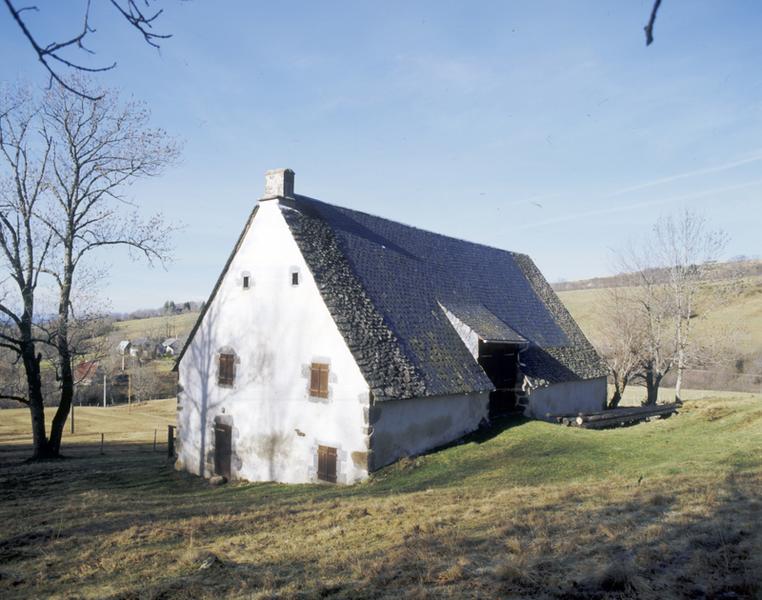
pixel 64 353
pixel 31 360
pixel 64 405
pixel 679 383
pixel 36 407
pixel 653 380
pixel 615 399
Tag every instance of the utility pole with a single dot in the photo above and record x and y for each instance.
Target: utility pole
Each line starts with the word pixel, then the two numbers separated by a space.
pixel 104 390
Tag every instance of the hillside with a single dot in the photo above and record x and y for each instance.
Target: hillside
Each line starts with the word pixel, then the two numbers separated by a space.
pixel 737 326
pixel 747 268
pixel 741 313
pixel 164 326
pixel 662 509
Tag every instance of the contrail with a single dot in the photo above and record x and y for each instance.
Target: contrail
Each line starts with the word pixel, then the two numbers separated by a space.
pixel 705 171
pixel 626 207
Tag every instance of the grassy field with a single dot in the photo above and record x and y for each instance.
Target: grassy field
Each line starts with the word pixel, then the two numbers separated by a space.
pixel 164 326
pixel 664 509
pixel 122 423
pixel 736 316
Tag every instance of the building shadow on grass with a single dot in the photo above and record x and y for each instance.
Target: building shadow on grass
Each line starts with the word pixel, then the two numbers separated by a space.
pixel 647 543
pixel 678 538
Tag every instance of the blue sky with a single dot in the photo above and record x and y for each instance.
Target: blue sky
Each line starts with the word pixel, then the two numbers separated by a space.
pixel 542 127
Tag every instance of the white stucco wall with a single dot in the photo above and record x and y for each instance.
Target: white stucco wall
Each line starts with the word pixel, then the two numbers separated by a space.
pixel 408 427
pixel 567 398
pixel 276 330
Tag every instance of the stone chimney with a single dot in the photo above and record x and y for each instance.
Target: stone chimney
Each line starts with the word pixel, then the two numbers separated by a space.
pixel 279 183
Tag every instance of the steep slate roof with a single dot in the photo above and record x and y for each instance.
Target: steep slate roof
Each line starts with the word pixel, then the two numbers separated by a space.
pixel 383 283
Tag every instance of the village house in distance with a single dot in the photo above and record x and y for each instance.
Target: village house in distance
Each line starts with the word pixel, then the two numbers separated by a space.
pixel 335 342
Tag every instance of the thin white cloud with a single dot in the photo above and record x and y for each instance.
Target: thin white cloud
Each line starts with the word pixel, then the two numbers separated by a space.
pixel 634 205
pixel 687 174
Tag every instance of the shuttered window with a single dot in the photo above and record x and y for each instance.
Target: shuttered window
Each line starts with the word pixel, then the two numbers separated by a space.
pixel 327 464
pixel 319 380
pixel 226 371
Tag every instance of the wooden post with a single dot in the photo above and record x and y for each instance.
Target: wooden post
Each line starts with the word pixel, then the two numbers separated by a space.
pixel 72 417
pixel 101 443
pixel 104 390
pixel 170 441
pixel 129 391
pixel 154 440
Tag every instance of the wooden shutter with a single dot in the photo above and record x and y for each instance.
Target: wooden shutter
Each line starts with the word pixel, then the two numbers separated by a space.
pixel 319 380
pixel 226 373
pixel 327 464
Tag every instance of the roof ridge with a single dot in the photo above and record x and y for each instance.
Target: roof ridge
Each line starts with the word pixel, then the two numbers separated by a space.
pixel 421 229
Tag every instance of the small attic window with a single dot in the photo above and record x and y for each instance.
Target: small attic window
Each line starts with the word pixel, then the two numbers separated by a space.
pixel 294 277
pixel 246 281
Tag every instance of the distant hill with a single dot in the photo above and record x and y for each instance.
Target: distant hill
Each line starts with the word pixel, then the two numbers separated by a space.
pixel 745 268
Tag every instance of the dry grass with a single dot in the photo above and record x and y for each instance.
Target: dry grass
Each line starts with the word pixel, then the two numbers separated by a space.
pixel 738 314
pixel 123 423
pixel 665 509
pixel 180 325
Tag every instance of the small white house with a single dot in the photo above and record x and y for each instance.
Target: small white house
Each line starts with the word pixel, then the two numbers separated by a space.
pixel 335 342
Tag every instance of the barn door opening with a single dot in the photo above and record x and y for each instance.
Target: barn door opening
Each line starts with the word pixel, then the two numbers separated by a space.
pixel 500 362
pixel 327 464
pixel 223 447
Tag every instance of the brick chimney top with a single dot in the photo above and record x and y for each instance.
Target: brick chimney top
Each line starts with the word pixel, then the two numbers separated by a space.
pixel 279 183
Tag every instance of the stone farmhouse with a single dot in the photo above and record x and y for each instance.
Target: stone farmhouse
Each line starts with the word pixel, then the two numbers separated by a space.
pixel 335 342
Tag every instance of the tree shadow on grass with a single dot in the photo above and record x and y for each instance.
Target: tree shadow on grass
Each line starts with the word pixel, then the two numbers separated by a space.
pixel 670 538
pixel 644 543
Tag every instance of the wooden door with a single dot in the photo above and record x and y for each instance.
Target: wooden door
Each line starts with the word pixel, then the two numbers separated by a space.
pixel 327 464
pixel 223 447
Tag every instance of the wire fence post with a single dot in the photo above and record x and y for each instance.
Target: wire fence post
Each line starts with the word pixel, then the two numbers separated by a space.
pixel 170 441
pixel 154 440
pixel 102 435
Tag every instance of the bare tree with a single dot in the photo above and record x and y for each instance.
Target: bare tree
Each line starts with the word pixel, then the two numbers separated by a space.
pixel 25 246
pixel 55 56
pixel 673 282
pixel 651 307
pixel 688 249
pixel 621 339
pixel 69 159
pixel 144 381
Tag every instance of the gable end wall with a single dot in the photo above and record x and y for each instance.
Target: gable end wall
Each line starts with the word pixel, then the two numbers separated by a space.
pixel 276 331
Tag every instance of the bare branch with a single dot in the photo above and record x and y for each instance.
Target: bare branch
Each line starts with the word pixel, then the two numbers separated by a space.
pixel 16 398
pixel 649 28
pixel 51 55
